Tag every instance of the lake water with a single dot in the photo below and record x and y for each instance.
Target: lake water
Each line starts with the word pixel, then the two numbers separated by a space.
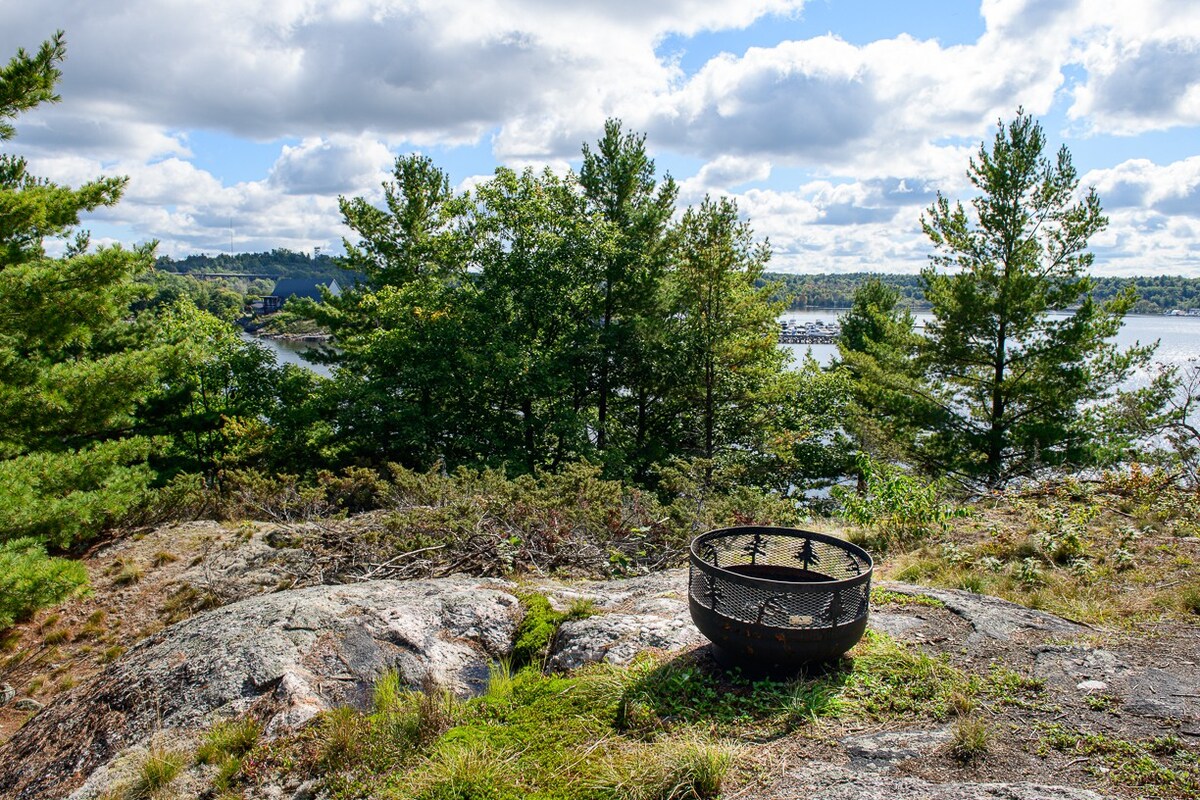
pixel 289 352
pixel 1178 337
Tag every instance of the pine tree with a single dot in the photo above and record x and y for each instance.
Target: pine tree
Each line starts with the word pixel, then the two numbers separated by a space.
pixel 725 335
pixel 1021 348
pixel 74 363
pixel 618 181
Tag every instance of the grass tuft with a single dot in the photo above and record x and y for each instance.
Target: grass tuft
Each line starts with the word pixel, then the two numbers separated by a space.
pixel 233 738
pixel 683 769
pixel 971 737
pixel 157 772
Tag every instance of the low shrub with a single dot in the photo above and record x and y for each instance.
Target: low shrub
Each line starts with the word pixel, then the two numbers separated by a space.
pixel 895 508
pixel 30 579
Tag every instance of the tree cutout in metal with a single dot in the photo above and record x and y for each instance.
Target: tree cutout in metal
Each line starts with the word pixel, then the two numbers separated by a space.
pixel 755 547
pixel 711 553
pixel 772 604
pixel 714 593
pixel 807 554
pixel 834 610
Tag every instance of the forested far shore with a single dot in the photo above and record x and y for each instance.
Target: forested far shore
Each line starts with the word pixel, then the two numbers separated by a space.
pixel 1156 294
pixel 277 263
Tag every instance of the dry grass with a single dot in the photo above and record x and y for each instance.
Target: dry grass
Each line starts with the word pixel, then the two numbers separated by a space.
pixel 1073 551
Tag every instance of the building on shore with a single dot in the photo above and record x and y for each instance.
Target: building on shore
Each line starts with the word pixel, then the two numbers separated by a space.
pixel 287 288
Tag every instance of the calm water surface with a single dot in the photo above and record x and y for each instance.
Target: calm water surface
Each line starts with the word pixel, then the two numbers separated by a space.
pixel 1178 340
pixel 1178 337
pixel 288 352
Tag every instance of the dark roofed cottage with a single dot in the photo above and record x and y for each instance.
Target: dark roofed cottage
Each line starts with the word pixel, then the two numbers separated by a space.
pixel 287 288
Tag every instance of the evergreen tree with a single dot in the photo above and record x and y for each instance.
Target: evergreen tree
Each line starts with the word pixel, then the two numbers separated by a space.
pixel 618 180
pixel 1024 376
pixel 75 365
pixel 402 383
pixel 725 334
pixel 877 349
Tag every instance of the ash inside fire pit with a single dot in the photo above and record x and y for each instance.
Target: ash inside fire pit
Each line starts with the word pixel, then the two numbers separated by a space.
pixel 774 599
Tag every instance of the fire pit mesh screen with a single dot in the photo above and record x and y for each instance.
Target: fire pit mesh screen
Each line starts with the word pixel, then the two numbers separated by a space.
pixel 779 577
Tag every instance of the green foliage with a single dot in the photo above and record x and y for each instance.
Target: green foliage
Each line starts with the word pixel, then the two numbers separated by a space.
pixel 1010 389
pixel 76 366
pixel 724 330
pixel 896 507
pixel 539 251
pixel 414 719
pixel 538 628
pixel 877 351
pixel 67 497
pixel 1158 767
pixel 224 299
pixel 219 394
pixel 547 319
pixel 619 187
pixel 29 579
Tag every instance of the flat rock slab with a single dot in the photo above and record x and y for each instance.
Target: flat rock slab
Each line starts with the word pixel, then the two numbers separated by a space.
pixel 651 612
pixel 991 617
pixel 617 638
pixel 886 748
pixel 817 781
pixel 1145 691
pixel 644 613
pixel 289 654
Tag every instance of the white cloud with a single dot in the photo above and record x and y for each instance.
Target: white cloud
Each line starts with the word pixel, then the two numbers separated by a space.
pixel 338 165
pixel 1142 63
pixel 723 174
pixel 1172 189
pixel 879 126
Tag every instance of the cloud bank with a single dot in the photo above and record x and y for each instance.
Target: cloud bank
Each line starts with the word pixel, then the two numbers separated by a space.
pixel 871 130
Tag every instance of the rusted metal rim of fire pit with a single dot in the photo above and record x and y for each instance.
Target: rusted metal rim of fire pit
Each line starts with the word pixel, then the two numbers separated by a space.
pixel 772 600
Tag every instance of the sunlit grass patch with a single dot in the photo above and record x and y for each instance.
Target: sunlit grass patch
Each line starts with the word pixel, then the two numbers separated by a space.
pixel 662 727
pixel 1159 767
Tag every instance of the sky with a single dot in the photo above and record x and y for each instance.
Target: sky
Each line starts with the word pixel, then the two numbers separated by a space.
pixel 832 123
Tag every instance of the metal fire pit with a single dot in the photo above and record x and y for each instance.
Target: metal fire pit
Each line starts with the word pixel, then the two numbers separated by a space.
pixel 774 599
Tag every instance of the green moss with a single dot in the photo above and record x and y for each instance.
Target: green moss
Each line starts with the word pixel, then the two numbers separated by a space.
pixel 881 597
pixel 539 626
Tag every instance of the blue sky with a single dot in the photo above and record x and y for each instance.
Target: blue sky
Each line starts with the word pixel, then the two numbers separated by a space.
pixel 831 122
